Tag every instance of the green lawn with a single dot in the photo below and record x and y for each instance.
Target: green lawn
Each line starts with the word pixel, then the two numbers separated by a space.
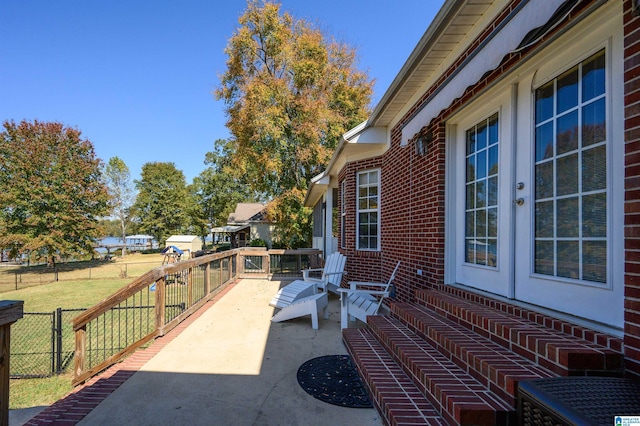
pixel 68 294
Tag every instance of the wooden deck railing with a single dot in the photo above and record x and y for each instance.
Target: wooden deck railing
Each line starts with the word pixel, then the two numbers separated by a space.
pixel 157 301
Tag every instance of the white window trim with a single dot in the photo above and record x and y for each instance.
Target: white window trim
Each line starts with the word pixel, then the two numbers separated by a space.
pixel 343 214
pixel 358 210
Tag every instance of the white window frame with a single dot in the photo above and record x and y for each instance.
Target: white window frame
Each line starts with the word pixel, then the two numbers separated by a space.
pixel 343 214
pixel 375 210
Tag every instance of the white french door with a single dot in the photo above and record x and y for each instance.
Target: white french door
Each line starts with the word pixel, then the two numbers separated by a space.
pixel 568 226
pixel 536 181
pixel 482 174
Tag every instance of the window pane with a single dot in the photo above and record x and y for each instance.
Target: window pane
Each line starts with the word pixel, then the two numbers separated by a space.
pixel 481 223
pixel 544 258
pixel 571 176
pixel 492 222
pixel 481 191
pixel 594 128
pixel 373 202
pixel 470 251
pixel 363 179
pixel 482 164
pixel 363 242
pixel 594 259
pixel 568 218
pixel 594 169
pixel 373 178
pixel 470 228
pixel 471 141
pixel 544 102
pixel 567 133
pixel 567 92
pixel 493 160
pixel 373 243
pixel 544 180
pixel 471 168
pixel 481 251
pixel 481 194
pixel 594 216
pixel 492 192
pixel 569 259
pixel 544 142
pixel 544 219
pixel 493 130
pixel 593 76
pixel 471 196
pixel 567 170
pixel 492 250
pixel 481 138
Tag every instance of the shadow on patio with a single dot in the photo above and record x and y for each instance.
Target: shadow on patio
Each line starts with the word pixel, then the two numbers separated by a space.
pixel 229 365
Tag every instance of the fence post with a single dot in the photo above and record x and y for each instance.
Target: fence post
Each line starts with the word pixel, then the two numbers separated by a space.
pixel 79 356
pixel 58 351
pixel 207 279
pixel 190 287
pixel 10 312
pixel 160 310
pixel 16 280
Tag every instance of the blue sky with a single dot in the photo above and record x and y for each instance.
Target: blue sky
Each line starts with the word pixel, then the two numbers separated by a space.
pixel 136 77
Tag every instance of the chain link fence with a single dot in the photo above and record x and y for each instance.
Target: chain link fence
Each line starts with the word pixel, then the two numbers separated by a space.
pixel 19 277
pixel 42 343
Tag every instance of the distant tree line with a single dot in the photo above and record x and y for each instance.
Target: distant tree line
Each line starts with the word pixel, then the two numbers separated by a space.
pixel 290 92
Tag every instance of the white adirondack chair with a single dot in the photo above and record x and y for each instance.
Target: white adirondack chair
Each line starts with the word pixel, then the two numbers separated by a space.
pixel 309 295
pixel 331 273
pixel 358 302
pixel 301 306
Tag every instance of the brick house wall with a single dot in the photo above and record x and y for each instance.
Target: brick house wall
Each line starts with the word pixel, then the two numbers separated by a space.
pixel 413 187
pixel 632 188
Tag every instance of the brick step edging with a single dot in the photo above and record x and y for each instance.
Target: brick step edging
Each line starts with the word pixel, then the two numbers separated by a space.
pixel 494 366
pixel 395 397
pixel 562 353
pixel 461 398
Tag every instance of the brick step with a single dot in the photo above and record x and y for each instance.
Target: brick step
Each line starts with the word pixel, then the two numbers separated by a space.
pixel 459 397
pixel 560 352
pixel 395 397
pixel 495 367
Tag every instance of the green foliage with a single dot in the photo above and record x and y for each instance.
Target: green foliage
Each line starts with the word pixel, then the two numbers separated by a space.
pixel 51 190
pixel 118 181
pixel 290 94
pixel 162 205
pixel 258 242
pixel 111 228
pixel 218 189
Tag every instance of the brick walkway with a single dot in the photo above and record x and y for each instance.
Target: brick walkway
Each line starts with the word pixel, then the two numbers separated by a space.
pixel 71 409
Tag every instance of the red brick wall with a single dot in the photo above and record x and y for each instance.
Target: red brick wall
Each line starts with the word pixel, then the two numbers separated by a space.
pixel 632 189
pixel 412 204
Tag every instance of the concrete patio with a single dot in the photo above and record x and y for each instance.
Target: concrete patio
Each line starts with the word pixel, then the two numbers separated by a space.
pixel 229 365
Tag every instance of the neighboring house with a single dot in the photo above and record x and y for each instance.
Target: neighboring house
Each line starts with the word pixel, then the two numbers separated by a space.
pixel 503 159
pixel 187 243
pixel 248 222
pixel 140 242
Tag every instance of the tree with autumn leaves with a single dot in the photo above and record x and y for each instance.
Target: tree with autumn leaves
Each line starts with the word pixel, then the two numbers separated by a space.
pixel 290 94
pixel 51 191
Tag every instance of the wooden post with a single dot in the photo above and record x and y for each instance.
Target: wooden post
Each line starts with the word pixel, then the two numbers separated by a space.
pixel 79 356
pixel 160 314
pixel 189 287
pixel 207 279
pixel 10 312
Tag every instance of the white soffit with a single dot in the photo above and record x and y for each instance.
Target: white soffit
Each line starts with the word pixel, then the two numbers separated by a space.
pixel 533 14
pixel 455 22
